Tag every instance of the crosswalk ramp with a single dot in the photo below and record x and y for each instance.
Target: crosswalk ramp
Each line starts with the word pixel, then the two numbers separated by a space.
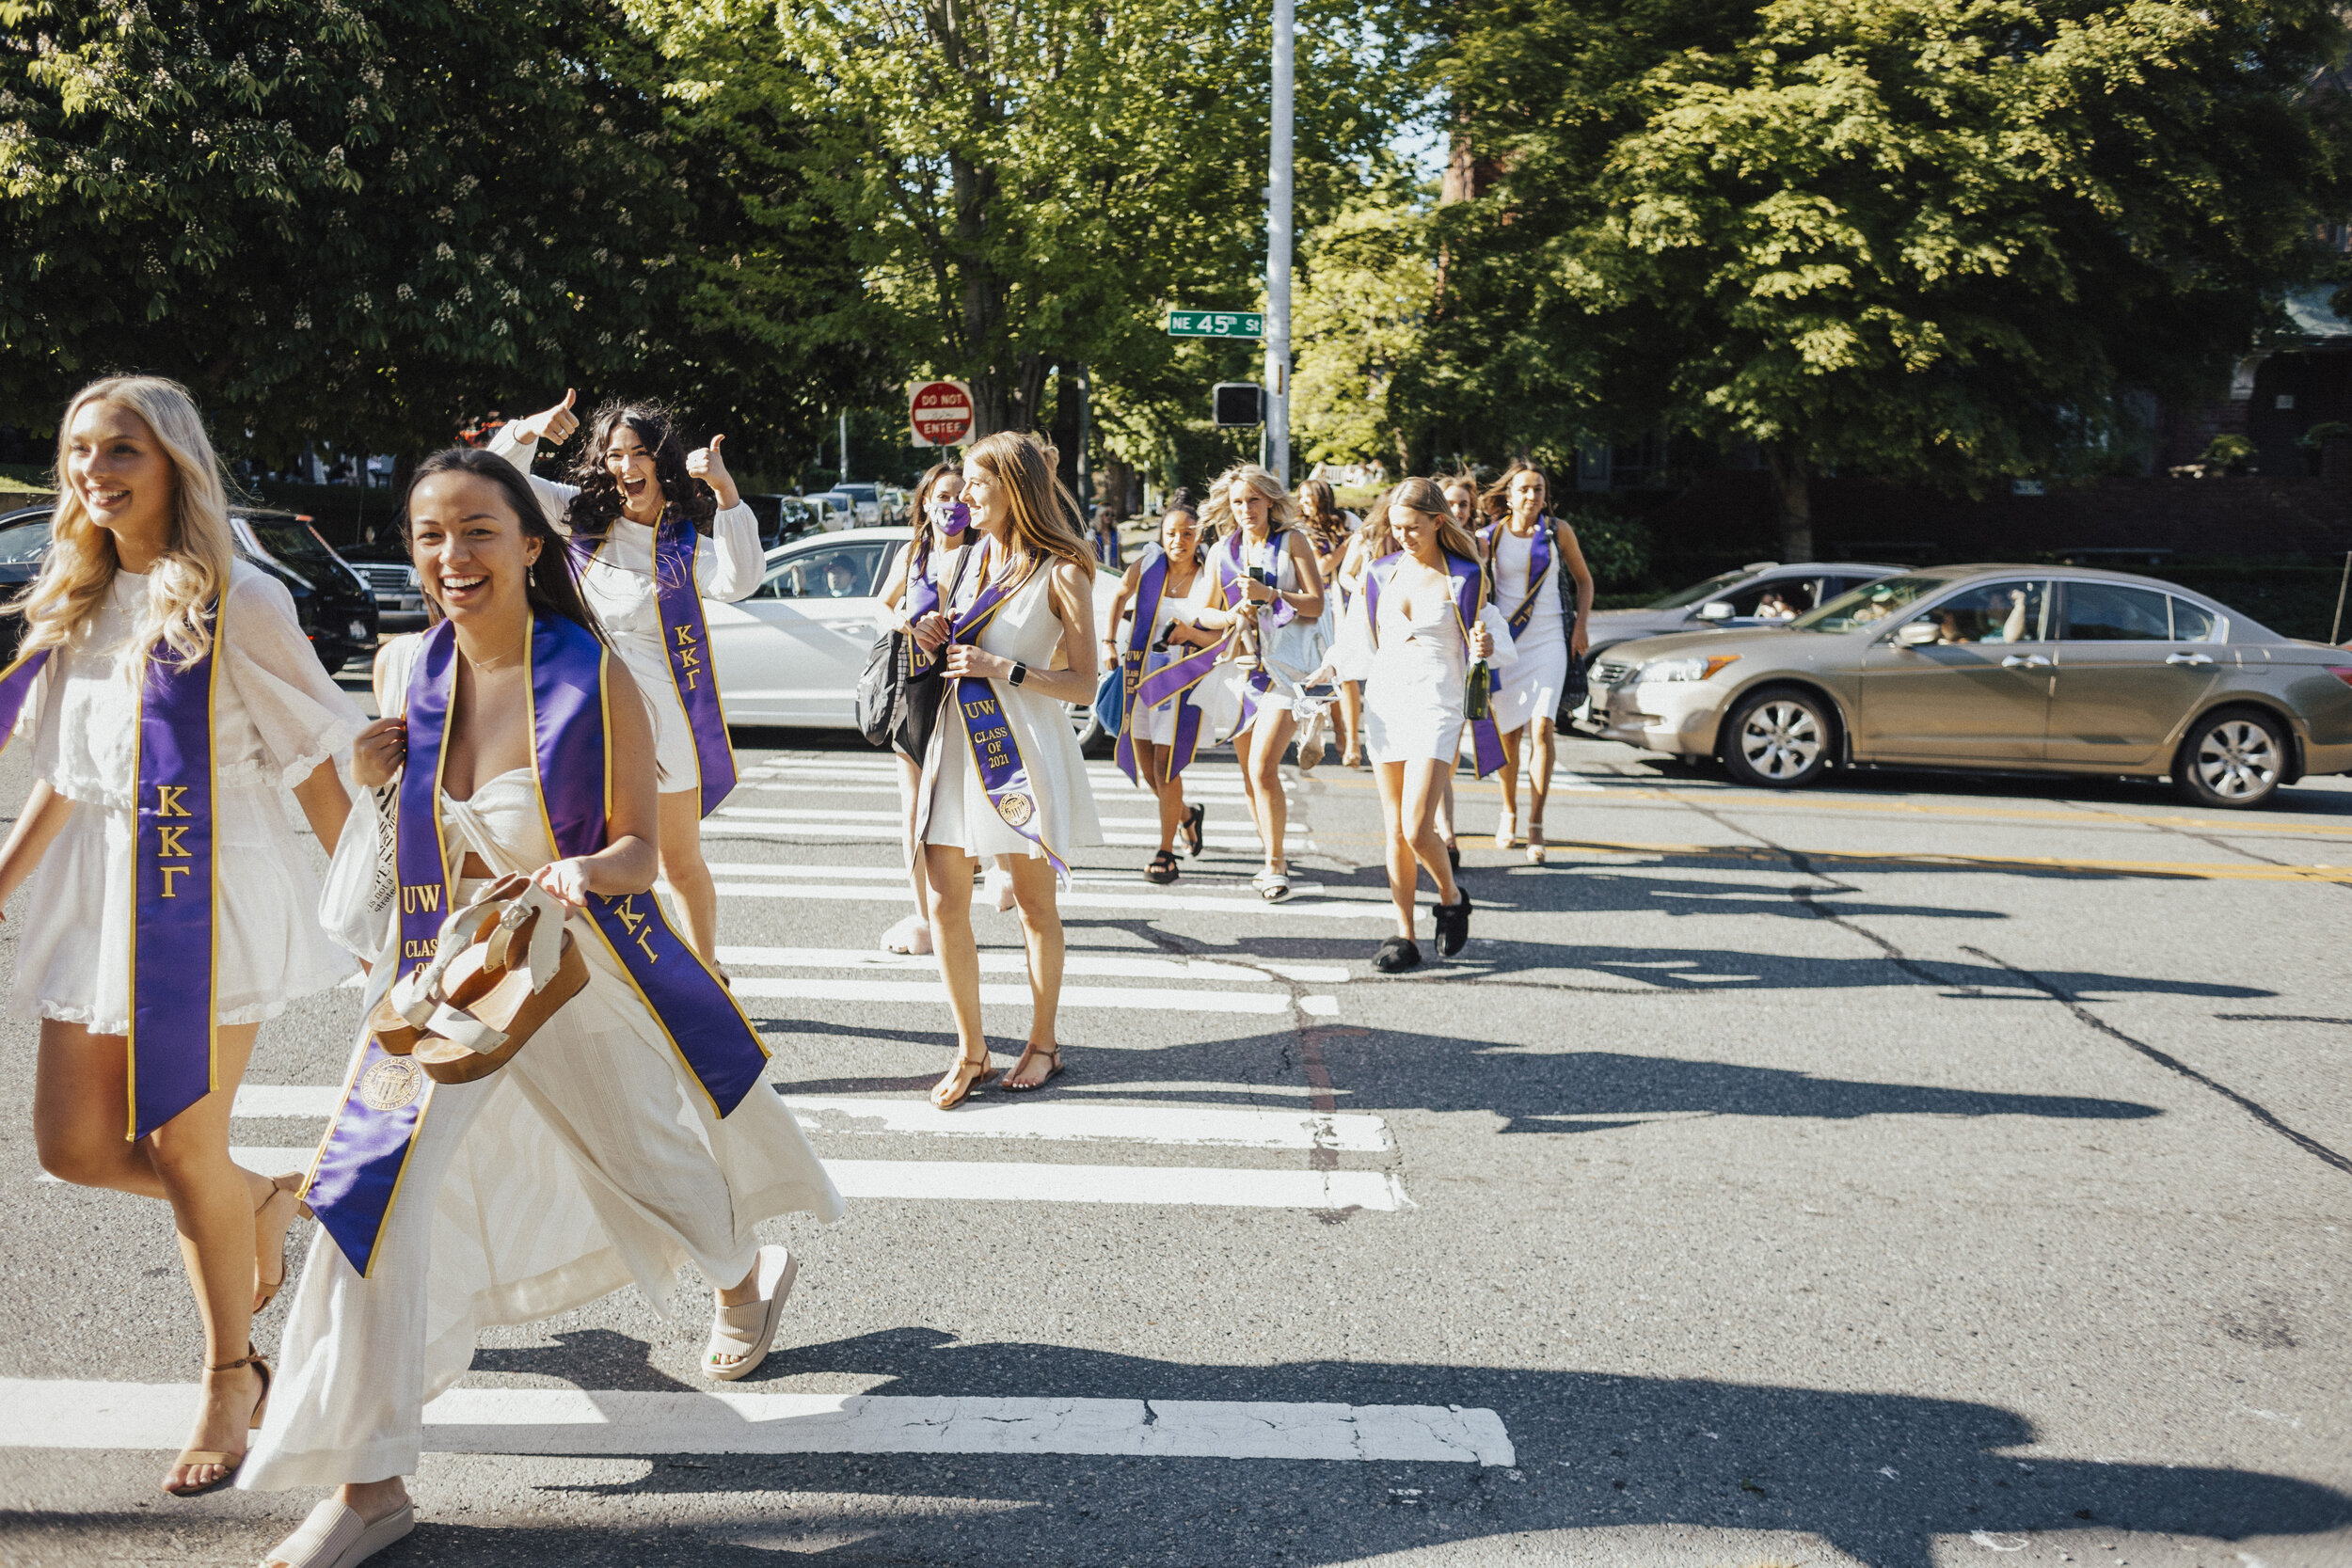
pixel 82 1415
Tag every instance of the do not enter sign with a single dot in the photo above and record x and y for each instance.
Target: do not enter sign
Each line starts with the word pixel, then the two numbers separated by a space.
pixel 940 412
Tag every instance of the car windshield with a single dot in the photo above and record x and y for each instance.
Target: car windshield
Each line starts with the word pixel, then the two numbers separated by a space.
pixel 1707 590
pixel 21 543
pixel 1873 601
pixel 296 544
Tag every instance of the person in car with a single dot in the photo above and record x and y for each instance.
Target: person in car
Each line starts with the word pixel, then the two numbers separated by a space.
pixel 1771 606
pixel 642 506
pixel 840 582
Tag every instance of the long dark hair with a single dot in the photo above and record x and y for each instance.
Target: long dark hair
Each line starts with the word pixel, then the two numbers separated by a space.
pixel 552 585
pixel 1320 509
pixel 599 502
pixel 920 505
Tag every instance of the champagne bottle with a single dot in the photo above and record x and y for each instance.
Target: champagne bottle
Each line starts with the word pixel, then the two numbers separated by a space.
pixel 1476 703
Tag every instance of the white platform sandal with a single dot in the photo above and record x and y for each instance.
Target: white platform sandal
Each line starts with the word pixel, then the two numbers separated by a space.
pixel 911 936
pixel 745 1332
pixel 334 1536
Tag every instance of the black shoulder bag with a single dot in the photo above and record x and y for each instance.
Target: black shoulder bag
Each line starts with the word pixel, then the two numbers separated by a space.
pixel 1576 687
pixel 915 698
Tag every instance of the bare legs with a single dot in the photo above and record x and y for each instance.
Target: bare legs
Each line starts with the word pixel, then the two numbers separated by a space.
pixel 918 870
pixel 1151 762
pixel 80 1090
pixel 1541 754
pixel 1408 800
pixel 683 868
pixel 1351 723
pixel 959 952
pixel 1260 749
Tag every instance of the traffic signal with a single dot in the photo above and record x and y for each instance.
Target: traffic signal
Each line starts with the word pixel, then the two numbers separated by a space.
pixel 1236 403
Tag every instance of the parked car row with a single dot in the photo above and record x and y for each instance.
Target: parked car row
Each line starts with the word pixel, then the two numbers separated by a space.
pixel 2032 668
pixel 337 609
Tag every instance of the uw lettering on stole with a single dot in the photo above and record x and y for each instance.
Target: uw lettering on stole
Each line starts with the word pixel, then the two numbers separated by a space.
pixel 686 639
pixel 1005 777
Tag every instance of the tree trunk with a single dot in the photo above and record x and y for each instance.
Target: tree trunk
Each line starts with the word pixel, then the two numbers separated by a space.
pixel 1792 496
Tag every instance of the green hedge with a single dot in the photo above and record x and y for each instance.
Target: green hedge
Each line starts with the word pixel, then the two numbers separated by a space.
pixel 2297 601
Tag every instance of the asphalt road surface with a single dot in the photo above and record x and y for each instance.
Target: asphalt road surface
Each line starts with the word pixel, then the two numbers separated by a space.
pixel 1911 1171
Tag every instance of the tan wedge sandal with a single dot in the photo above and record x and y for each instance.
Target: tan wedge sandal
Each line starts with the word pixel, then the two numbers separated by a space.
pixel 501 988
pixel 228 1461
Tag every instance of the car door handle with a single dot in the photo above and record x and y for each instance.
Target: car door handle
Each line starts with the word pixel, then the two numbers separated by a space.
pixel 2188 658
pixel 2025 661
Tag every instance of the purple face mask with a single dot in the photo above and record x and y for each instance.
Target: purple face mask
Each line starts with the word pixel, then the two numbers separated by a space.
pixel 952 517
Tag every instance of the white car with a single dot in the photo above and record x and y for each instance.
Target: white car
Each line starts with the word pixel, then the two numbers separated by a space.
pixel 835 512
pixel 793 652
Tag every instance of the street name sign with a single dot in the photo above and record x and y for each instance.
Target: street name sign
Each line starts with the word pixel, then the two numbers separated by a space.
pixel 1215 324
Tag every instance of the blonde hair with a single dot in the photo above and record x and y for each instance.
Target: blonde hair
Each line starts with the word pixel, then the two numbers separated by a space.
pixel 190 574
pixel 1045 516
pixel 1426 496
pixel 1217 519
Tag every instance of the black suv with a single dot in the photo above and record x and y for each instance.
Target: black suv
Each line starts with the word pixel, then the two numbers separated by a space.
pixel 335 608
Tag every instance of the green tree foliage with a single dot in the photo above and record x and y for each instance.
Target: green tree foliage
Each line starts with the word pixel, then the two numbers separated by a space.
pixel 1026 184
pixel 354 222
pixel 1928 239
pixel 1367 280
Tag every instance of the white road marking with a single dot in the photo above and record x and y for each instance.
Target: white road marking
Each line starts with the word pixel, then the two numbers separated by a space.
pixel 1351 1134
pixel 1151 998
pixel 1137 903
pixel 840 822
pixel 722 826
pixel 1013 1181
pixel 1236 1127
pixel 1000 961
pixel 65 1414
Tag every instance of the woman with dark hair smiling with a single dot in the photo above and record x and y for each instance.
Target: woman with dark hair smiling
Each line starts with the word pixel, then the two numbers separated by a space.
pixel 631 1133
pixel 638 519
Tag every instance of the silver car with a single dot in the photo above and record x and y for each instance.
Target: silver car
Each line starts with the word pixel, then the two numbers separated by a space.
pixel 2013 668
pixel 1755 594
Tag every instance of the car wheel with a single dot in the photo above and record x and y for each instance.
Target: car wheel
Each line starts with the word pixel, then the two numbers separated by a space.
pixel 1779 738
pixel 2233 757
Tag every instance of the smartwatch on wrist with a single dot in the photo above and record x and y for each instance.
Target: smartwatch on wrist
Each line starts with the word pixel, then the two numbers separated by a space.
pixel 1020 674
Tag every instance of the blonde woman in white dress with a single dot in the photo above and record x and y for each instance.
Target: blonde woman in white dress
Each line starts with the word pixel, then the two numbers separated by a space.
pixel 634 472
pixel 1003 775
pixel 1527 699
pixel 1421 618
pixel 139 559
pixel 1253 525
pixel 596 1157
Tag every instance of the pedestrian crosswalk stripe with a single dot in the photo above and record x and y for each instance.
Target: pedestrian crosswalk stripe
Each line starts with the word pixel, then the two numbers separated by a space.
pixel 835 821
pixel 1137 903
pixel 1212 1126
pixel 1015 1181
pixel 1297 842
pixel 1149 997
pixel 68 1414
pixel 1003 961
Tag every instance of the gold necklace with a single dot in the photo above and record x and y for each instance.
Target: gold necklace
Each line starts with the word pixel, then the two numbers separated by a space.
pixel 482 667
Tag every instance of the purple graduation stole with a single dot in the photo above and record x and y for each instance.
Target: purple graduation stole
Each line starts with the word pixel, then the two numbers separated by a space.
pixel 996 750
pixel 687 642
pixel 923 587
pixel 173 1047
pixel 1538 562
pixel 1175 678
pixel 1469 598
pixel 357 1174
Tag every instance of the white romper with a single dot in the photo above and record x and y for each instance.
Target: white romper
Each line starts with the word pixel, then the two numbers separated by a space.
pixel 591 1160
pixel 277 716
pixel 618 586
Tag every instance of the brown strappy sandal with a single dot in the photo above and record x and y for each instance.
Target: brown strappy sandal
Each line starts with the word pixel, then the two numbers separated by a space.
pixel 961 1080
pixel 1011 1084
pixel 229 1462
pixel 264 1288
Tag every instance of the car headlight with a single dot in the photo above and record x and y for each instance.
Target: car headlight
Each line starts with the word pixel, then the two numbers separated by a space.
pixel 1696 668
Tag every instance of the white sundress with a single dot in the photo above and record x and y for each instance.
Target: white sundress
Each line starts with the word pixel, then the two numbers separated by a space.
pixel 277 716
pixel 618 585
pixel 1413 676
pixel 1531 686
pixel 589 1161
pixel 952 808
pixel 1157 724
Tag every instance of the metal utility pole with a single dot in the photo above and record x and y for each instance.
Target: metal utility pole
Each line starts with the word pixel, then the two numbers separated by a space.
pixel 844 446
pixel 1278 253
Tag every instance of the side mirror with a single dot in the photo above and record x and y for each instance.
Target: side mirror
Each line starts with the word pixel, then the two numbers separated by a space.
pixel 1917 634
pixel 1715 609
